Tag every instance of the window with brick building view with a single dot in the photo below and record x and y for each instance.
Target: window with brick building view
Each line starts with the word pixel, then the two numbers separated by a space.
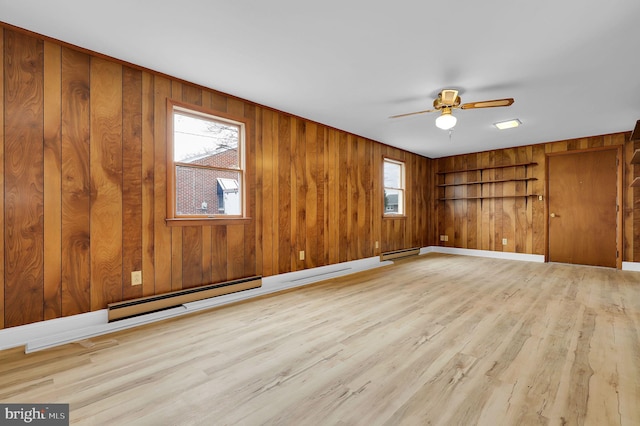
pixel 207 162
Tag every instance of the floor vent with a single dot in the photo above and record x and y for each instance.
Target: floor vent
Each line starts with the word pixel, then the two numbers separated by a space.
pixel 145 305
pixel 400 253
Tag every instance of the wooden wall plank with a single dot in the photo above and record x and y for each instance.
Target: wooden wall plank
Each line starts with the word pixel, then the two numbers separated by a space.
pixel 176 232
pixel 284 195
pixel 106 182
pixel 628 213
pixel 260 200
pixel 258 193
pixel 76 183
pixel 498 203
pixel 509 203
pixel 52 181
pixel 207 253
pixel 521 225
pixel 2 133
pixel 148 182
pixel 131 180
pixel 473 206
pixel 459 211
pixel 299 192
pixel 367 186
pixel 235 107
pixel 321 183
pixel 352 199
pixel 275 228
pixel 449 205
pixel 250 228
pixel 493 192
pixel 342 197
pixel 192 94
pixel 162 233
pixel 219 254
pixel 192 245
pixel 538 214
pixel 23 150
pixel 269 126
pixel 363 207
pixel 235 252
pixel 177 249
pixel 311 231
pixel 335 193
pixel 219 102
pixel 378 196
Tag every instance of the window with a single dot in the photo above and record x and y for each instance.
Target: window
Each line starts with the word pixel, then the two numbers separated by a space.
pixel 393 176
pixel 206 166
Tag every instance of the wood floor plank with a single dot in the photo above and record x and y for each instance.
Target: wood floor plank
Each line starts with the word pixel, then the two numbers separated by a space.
pixel 433 339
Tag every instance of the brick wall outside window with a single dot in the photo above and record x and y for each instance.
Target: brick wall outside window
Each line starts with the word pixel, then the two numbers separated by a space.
pixel 195 186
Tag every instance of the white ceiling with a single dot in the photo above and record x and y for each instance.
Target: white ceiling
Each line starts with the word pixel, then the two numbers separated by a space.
pixel 573 66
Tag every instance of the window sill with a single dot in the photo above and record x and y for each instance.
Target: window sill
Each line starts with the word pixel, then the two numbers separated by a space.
pixel 394 216
pixel 207 221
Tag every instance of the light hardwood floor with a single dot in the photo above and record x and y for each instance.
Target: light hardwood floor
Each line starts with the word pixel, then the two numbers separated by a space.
pixel 434 339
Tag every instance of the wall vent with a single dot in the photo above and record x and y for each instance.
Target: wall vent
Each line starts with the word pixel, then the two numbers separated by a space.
pixel 400 253
pixel 145 305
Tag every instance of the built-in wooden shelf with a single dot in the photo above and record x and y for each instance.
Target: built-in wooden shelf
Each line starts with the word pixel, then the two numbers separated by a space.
pixel 480 182
pixel 636 182
pixel 636 157
pixel 490 181
pixel 486 168
pixel 488 197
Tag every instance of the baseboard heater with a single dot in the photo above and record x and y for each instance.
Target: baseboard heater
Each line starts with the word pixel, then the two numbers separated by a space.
pixel 145 305
pixel 400 253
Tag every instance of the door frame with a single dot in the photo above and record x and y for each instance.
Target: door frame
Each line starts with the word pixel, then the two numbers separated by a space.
pixel 619 200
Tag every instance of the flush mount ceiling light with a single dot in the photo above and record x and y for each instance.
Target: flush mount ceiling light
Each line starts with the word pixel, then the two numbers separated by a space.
pixel 446 120
pixel 509 124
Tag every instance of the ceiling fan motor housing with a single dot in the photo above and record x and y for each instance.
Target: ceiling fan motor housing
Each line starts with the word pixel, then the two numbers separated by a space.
pixel 447 99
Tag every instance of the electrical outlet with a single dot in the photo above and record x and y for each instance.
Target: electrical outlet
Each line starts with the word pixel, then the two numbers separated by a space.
pixel 441 237
pixel 539 197
pixel 446 238
pixel 136 278
pixel 504 241
pixel 377 245
pixel 301 254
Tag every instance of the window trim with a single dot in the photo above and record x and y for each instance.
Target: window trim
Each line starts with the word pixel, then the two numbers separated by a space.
pixel 403 189
pixel 201 112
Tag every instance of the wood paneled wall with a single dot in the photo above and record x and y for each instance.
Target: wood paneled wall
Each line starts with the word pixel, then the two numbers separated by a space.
pixel 83 146
pixel 482 224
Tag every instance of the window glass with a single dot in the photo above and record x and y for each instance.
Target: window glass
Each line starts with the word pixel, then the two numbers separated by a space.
pixel 393 178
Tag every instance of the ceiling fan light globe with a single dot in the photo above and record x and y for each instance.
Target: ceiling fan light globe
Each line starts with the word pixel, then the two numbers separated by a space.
pixel 446 121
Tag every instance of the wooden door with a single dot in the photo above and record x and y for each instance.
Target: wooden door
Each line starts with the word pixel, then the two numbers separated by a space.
pixel 582 208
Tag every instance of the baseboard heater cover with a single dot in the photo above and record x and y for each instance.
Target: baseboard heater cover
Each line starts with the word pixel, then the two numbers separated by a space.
pixel 400 253
pixel 145 305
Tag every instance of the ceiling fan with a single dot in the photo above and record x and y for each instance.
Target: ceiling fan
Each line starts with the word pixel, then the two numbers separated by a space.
pixel 449 100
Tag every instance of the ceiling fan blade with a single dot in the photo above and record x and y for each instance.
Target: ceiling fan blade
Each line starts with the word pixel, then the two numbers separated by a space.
pixel 413 113
pixel 488 104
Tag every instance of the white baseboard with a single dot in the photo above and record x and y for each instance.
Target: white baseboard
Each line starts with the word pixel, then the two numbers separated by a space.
pixel 484 253
pixel 631 266
pixel 55 332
